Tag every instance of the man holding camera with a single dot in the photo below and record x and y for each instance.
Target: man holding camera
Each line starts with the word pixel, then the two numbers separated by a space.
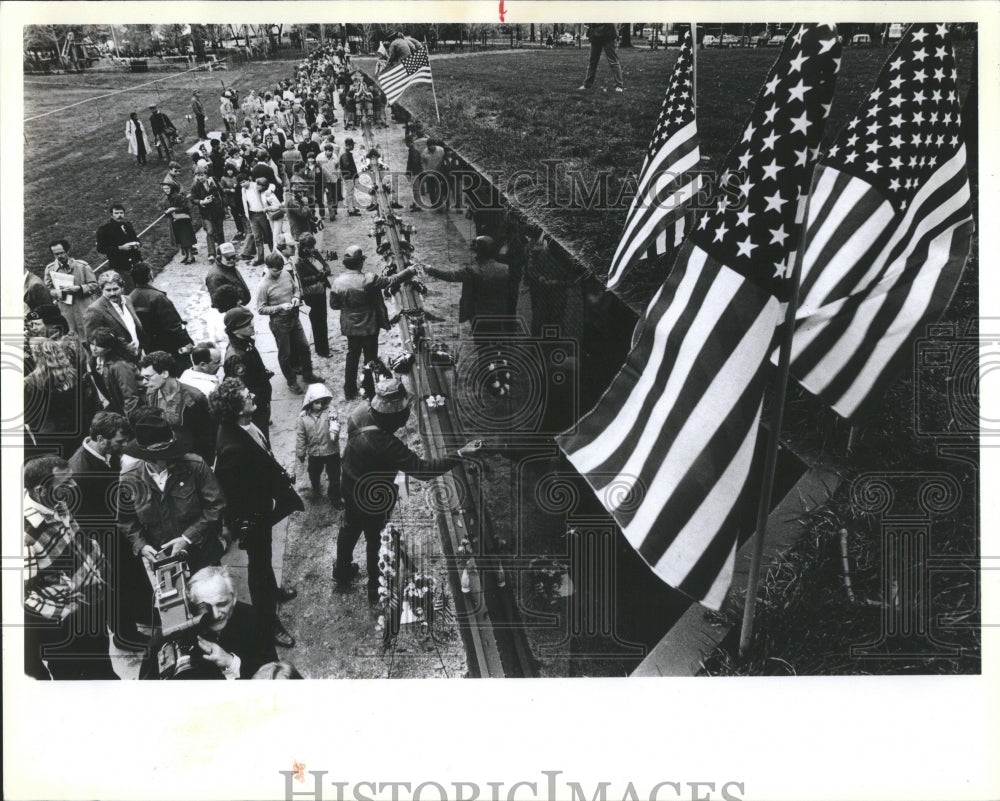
pixel 229 640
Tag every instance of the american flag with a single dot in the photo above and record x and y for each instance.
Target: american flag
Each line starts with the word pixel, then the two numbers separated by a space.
pixel 668 448
pixel 415 68
pixel 889 228
pixel 656 221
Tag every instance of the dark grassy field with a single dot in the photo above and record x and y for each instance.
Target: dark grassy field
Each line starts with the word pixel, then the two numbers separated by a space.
pixel 517 111
pixel 76 161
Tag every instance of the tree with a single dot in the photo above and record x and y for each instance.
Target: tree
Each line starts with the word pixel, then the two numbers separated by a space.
pixel 198 41
pixel 626 36
pixel 215 35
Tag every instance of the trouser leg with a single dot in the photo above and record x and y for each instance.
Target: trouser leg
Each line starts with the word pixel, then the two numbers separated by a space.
pixel 595 57
pixel 317 320
pixel 260 574
pixel 611 51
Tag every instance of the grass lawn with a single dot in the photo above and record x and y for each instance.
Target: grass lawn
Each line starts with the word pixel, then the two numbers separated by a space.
pixel 76 161
pixel 517 111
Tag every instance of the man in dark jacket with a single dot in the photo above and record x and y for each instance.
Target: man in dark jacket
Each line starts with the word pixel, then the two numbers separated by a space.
pixel 96 466
pixel 604 38
pixel 183 407
pixel 198 109
pixel 372 458
pixel 160 319
pixel 485 290
pixel 115 312
pixel 259 494
pixel 242 360
pixel 117 240
pixel 224 273
pixel 313 273
pixel 230 642
pixel 207 196
pixel 357 296
pixel 349 171
pixel 161 128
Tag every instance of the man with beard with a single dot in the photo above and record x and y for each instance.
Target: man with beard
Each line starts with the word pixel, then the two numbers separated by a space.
pixel 72 285
pixel 117 240
pixel 243 361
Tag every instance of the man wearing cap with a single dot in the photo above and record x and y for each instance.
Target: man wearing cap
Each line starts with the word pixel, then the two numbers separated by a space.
pixel 372 458
pixel 314 276
pixel 259 494
pixel 161 126
pixel 224 273
pixel 115 311
pixel 207 195
pixel 357 295
pixel 242 360
pixel 484 289
pixel 117 240
pixel 183 406
pixel 349 173
pixel 168 498
pixel 329 167
pixel 199 114
pixel 279 298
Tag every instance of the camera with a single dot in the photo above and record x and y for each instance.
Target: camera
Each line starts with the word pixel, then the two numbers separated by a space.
pixel 179 655
pixel 948 366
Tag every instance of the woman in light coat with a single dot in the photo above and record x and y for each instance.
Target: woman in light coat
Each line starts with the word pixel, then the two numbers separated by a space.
pixel 135 134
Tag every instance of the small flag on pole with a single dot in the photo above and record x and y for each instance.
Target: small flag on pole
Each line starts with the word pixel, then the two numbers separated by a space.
pixel 669 446
pixel 383 58
pixel 415 68
pixel 655 225
pixel 889 229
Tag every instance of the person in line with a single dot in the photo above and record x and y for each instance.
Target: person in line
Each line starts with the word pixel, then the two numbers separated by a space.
pixel 135 135
pixel 225 273
pixel 279 298
pixel 314 276
pixel 259 198
pixel 182 406
pixel 96 467
pixel 203 374
pixel 117 240
pixel 603 39
pixel 332 193
pixel 114 371
pixel 71 283
pixel 243 361
pixel 232 194
pixel 206 194
pixel 357 295
pixel 372 458
pixel 178 208
pixel 349 175
pixel 316 441
pixel 168 498
pixel 230 642
pixel 114 311
pixel 164 327
pixel 259 494
pixel 65 623
pixel 56 398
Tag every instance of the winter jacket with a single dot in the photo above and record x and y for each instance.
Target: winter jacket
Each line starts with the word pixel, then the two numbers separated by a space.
pixel 316 434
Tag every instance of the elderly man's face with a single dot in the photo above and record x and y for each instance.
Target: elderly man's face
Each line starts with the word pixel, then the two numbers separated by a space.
pixel 220 603
pixel 112 290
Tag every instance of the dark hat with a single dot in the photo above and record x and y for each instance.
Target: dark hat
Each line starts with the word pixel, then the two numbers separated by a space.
pixel 152 105
pixel 237 318
pixel 154 439
pixel 390 396
pixel 354 257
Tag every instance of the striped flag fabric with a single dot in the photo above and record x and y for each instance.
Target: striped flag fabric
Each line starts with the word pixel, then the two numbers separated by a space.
pixel 668 447
pixel 655 224
pixel 889 228
pixel 415 68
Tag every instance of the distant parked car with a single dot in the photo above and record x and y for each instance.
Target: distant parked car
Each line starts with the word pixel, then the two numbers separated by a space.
pixel 862 39
pixel 777 40
pixel 673 39
pixel 731 40
pixel 566 38
pixel 710 40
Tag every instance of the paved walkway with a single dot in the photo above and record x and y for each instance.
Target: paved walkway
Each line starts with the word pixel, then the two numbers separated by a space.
pixel 352 647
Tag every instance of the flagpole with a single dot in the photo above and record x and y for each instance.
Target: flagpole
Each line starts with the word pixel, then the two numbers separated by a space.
pixel 694 66
pixel 433 91
pixel 774 434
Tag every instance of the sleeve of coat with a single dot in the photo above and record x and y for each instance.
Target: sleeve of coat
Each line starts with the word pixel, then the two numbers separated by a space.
pixel 88 279
pixel 129 526
pixel 300 439
pixel 128 385
pixel 212 505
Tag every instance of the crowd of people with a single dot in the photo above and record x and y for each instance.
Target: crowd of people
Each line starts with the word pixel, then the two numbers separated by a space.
pixel 142 445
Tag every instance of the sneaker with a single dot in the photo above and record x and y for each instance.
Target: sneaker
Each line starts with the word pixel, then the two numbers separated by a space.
pixel 354 213
pixel 620 89
pixel 581 88
pixel 294 387
pixel 211 258
pixel 282 637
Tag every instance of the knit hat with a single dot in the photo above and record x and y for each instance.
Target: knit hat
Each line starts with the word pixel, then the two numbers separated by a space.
pixel 237 318
pixel 354 257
